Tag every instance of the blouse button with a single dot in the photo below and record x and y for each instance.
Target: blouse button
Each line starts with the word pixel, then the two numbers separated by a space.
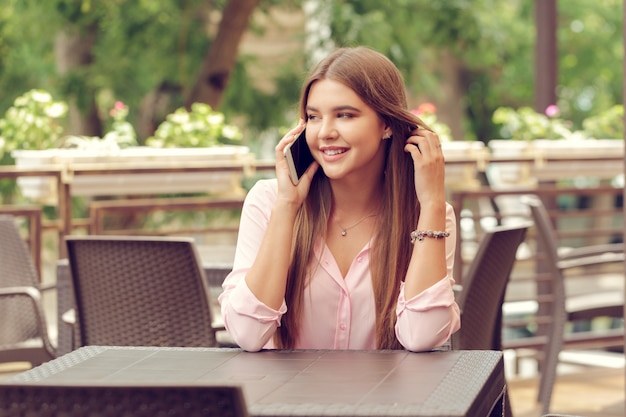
pixel 342 326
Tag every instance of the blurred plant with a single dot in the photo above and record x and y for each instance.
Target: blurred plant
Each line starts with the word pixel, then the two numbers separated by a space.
pixel 120 135
pixel 428 113
pixel 606 125
pixel 527 124
pixel 201 127
pixel 33 122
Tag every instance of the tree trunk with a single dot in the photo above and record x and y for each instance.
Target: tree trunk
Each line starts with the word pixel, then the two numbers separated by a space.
pixel 73 51
pixel 222 55
pixel 453 96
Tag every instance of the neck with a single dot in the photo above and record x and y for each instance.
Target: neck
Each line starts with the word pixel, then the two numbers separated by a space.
pixel 355 201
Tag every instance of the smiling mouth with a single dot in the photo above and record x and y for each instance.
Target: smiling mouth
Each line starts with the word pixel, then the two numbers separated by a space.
pixel 334 151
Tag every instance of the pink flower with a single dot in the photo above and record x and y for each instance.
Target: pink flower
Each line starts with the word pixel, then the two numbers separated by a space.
pixel 119 105
pixel 425 108
pixel 552 110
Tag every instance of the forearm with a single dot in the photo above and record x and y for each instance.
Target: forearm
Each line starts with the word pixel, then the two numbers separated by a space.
pixel 428 263
pixel 267 276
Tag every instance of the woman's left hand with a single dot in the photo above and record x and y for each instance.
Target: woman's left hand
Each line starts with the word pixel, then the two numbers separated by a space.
pixel 428 160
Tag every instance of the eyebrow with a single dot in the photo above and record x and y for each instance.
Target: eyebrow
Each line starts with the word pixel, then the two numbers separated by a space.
pixel 336 109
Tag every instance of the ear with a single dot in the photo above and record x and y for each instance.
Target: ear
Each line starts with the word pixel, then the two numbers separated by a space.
pixel 387 134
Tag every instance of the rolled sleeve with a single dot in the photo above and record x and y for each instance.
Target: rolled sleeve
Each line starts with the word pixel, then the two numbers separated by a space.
pixel 249 322
pixel 427 320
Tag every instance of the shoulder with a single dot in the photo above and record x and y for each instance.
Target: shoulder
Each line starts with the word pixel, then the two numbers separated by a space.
pixel 263 192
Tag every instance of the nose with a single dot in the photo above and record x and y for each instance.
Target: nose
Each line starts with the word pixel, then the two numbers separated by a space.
pixel 327 130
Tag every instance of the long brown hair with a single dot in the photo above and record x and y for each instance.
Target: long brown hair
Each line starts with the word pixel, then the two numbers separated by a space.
pixel 380 85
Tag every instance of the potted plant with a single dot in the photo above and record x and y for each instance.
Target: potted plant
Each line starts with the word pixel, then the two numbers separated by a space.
pixel 192 138
pixel 536 136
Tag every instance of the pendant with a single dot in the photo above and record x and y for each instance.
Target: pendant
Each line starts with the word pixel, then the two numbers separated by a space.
pixel 343 233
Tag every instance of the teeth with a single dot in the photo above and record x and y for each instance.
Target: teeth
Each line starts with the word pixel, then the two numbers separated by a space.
pixel 334 151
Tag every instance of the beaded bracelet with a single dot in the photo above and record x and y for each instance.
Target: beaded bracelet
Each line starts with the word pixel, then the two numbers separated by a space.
pixel 421 234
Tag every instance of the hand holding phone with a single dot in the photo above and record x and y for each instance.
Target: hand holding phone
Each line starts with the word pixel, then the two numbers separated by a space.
pixel 299 157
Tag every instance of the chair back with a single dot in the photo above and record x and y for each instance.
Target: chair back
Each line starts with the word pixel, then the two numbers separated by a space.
pixel 23 331
pixel 547 246
pixel 484 288
pixel 139 291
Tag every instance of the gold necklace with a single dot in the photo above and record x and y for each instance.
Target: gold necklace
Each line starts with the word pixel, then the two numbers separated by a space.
pixel 344 230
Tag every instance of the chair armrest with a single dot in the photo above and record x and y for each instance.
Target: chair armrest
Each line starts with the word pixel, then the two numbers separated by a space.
pixel 31 292
pixel 592 250
pixel 599 259
pixel 34 295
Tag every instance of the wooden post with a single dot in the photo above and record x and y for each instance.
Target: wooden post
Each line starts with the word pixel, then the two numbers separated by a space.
pixel 546 54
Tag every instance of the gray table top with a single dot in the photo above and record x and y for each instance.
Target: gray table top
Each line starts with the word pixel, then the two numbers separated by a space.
pixel 303 383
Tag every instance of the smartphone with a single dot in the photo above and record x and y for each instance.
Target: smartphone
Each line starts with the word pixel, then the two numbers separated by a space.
pixel 299 157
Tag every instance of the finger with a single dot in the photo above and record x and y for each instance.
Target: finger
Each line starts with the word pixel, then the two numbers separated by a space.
pixel 425 140
pixel 289 137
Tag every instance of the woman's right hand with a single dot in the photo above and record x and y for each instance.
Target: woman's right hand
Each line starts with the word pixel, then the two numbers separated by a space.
pixel 287 191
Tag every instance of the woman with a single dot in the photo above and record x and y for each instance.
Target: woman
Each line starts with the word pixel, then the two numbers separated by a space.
pixel 359 254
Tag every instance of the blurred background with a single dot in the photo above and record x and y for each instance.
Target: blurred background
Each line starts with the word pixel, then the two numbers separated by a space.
pixel 247 58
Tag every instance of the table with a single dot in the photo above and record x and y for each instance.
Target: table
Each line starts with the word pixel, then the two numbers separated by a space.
pixel 302 383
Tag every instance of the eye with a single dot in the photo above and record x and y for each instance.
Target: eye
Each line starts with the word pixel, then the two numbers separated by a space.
pixel 345 115
pixel 311 117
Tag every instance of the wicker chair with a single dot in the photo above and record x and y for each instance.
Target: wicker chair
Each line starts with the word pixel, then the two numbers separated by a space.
pixel 483 289
pixel 140 291
pixel 23 330
pixel 173 400
pixel 563 308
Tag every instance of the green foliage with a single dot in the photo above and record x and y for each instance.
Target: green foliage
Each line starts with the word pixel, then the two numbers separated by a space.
pixel 263 109
pixel 146 50
pixel 608 124
pixel 495 43
pixel 526 124
pixel 591 56
pixel 201 127
pixel 26 49
pixel 492 41
pixel 33 122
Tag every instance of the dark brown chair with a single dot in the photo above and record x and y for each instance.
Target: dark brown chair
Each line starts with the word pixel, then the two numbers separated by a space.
pixel 484 286
pixel 140 291
pixel 562 308
pixel 483 289
pixel 172 400
pixel 23 329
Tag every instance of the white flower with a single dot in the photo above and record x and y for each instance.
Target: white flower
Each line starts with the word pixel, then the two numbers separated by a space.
pixel 216 119
pixel 179 117
pixel 41 96
pixel 230 132
pixel 56 110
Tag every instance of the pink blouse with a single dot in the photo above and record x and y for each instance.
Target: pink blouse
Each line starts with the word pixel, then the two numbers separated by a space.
pixel 338 311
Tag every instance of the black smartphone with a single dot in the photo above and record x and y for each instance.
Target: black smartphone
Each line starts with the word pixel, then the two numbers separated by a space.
pixel 299 157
